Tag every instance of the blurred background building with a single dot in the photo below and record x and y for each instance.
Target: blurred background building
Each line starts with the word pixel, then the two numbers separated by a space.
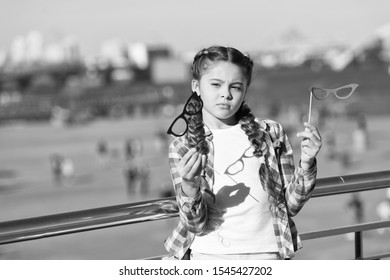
pixel 38 74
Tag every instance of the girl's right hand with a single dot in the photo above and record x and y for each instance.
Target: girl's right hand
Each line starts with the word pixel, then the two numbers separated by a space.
pixel 189 169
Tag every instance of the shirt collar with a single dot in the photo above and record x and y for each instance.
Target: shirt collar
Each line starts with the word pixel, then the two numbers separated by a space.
pixel 209 134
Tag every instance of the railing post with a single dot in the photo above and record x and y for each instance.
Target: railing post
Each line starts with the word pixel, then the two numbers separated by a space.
pixel 358 245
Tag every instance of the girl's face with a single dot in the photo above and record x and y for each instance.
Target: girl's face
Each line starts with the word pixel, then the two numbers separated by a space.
pixel 222 88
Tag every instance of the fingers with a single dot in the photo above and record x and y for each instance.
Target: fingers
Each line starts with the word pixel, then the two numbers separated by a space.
pixel 313 129
pixel 189 166
pixel 188 156
pixel 311 143
pixel 194 169
pixel 311 133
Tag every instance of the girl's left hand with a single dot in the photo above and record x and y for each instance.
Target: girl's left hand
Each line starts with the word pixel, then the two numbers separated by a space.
pixel 310 145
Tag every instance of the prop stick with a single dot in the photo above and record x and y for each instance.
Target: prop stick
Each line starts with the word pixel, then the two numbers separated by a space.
pixel 311 99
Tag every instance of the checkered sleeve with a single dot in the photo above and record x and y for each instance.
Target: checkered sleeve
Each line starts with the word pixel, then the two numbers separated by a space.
pixel 298 183
pixel 192 210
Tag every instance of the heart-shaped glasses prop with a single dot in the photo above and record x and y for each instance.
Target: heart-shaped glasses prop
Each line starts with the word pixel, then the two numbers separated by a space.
pixel 319 93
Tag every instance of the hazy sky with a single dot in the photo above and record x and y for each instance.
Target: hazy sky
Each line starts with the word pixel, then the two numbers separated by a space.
pixel 188 25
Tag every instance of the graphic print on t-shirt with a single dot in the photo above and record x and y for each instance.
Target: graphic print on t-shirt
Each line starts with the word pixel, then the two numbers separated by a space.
pixel 239 220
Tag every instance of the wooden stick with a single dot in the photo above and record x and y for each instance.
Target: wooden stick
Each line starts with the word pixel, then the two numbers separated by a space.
pixel 311 99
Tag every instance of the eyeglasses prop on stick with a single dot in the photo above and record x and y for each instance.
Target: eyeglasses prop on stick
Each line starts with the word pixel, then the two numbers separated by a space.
pixel 179 127
pixel 319 93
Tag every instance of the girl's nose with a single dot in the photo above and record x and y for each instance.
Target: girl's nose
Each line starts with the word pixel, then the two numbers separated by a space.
pixel 225 93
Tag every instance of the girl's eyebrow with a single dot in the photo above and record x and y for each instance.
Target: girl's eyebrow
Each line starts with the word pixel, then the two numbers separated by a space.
pixel 222 81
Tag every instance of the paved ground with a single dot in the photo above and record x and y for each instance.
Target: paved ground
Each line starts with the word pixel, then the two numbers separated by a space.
pixel 27 190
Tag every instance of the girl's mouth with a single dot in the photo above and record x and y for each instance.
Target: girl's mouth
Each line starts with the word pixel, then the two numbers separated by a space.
pixel 223 106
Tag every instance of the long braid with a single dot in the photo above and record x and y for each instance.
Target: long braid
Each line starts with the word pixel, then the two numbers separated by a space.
pixel 196 137
pixel 268 176
pixel 196 133
pixel 251 128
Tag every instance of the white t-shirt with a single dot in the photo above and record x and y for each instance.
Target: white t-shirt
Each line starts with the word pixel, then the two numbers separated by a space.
pixel 240 220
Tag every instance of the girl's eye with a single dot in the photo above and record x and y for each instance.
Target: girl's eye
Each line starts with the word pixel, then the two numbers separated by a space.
pixel 216 85
pixel 236 88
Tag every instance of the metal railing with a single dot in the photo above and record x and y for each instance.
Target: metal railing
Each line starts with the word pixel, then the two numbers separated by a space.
pixel 151 210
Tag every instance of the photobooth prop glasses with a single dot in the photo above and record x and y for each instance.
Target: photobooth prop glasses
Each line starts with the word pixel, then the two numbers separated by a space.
pixel 179 126
pixel 342 92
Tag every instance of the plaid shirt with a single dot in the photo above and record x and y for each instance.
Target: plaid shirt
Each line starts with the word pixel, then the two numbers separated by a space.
pixel 297 185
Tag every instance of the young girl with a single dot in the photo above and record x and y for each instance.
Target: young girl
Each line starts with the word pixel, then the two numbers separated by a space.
pixel 234 176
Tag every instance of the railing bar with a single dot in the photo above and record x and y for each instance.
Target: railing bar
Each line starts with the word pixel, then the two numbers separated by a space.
pixel 377 257
pixel 344 230
pixel 5 229
pixel 354 178
pixel 102 212
pixel 373 257
pixel 163 207
pixel 39 233
pixel 348 188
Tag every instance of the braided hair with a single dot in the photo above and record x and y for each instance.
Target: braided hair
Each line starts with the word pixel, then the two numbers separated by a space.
pixel 196 132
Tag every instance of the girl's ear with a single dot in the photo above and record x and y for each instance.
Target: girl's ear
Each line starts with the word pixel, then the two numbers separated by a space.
pixel 195 86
